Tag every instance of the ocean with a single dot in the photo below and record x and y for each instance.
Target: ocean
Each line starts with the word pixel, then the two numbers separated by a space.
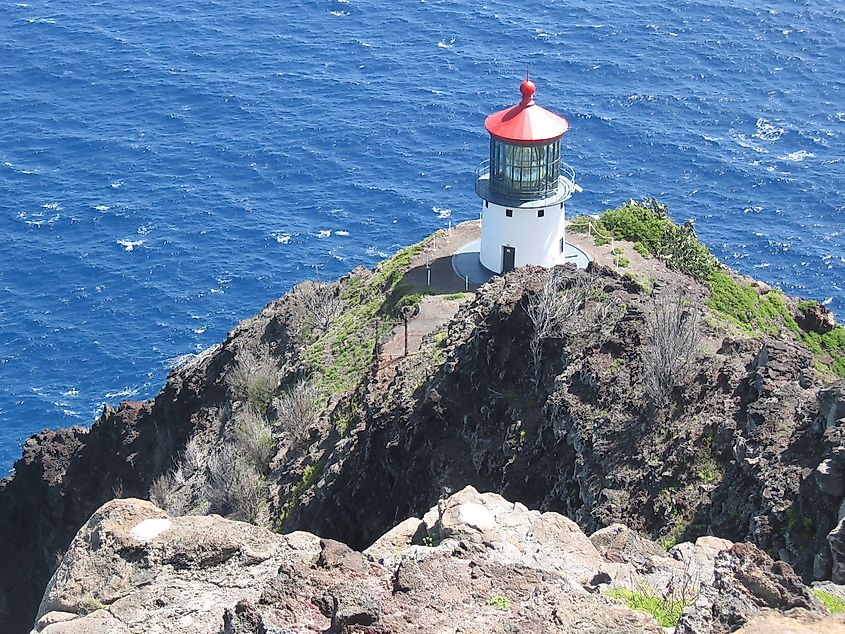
pixel 167 168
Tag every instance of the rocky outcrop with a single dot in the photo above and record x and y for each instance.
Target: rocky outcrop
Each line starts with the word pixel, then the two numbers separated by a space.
pixel 473 563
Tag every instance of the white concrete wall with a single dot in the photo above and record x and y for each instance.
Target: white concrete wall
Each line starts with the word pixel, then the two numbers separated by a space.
pixel 536 240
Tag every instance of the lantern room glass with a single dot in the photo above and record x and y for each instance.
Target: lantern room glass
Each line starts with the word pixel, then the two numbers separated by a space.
pixel 524 171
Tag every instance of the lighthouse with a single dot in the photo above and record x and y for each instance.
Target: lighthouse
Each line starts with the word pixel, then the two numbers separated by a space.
pixel 524 186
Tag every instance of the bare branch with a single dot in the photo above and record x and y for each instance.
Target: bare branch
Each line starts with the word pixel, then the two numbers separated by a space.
pixel 674 334
pixel 321 302
pixel 552 311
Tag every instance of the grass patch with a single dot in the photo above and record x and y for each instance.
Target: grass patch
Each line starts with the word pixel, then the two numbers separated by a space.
pixel 340 356
pixel 500 602
pixel 452 297
pixel 666 611
pixel 834 604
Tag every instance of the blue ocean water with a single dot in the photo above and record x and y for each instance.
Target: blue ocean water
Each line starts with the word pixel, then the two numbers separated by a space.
pixel 166 168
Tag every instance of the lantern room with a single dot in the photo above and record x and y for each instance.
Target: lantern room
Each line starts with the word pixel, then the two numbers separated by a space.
pixel 524 185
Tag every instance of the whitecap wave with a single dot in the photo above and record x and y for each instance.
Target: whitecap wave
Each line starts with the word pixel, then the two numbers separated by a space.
pixel 129 245
pixel 324 233
pixel 768 131
pixel 101 207
pixel 442 213
pixel 375 253
pixel 341 233
pixel 126 392
pixel 338 13
pixel 797 156
pixel 444 44
pixel 117 184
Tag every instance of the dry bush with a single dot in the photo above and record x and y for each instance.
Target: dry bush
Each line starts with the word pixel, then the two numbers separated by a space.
pixel 297 409
pixel 255 378
pixel 194 456
pixel 255 439
pixel 552 311
pixel 171 493
pixel 234 487
pixel 673 335
pixel 322 303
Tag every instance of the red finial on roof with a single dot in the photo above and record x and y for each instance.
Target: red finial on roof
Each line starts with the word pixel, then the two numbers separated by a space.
pixel 527 89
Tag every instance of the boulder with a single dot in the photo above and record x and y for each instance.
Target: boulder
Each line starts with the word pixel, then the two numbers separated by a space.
pixel 815 317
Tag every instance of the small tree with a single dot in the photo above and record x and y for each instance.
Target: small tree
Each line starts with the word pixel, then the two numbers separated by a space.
pixel 673 335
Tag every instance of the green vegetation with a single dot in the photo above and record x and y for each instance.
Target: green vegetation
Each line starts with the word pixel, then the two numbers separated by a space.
pixel 403 300
pixel 339 357
pixel 616 365
pixel 653 233
pixel 310 475
pixel 834 604
pixel 707 468
pixel 622 262
pixel 677 520
pixel 500 602
pixel 666 610
pixel 456 296
pixel 802 527
pixel 92 604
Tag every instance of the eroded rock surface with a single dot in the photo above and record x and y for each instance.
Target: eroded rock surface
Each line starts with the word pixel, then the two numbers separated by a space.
pixel 473 563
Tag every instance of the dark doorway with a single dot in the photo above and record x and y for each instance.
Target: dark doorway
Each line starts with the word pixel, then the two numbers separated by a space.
pixel 508 258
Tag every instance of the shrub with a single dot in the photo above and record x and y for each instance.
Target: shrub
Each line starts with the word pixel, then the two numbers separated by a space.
pixel 322 303
pixel 297 409
pixel 255 439
pixel 194 456
pixel 169 492
pixel 674 334
pixel 500 602
pixel 234 488
pixel 551 309
pixel 255 378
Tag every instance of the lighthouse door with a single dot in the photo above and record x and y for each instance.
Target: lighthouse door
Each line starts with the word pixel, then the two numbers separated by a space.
pixel 508 258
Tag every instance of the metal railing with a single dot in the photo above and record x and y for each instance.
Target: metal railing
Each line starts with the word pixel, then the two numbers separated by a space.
pixel 564 188
pixel 593 229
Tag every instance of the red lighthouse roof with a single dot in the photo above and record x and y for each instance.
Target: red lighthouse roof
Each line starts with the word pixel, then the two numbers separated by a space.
pixel 526 122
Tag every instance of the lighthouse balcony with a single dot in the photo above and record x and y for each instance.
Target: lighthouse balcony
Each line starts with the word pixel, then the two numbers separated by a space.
pixel 531 195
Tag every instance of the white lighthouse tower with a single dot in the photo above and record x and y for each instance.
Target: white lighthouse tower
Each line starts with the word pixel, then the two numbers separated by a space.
pixel 524 186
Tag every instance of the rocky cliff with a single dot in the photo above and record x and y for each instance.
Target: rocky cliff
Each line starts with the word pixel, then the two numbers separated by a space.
pixel 306 418
pixel 473 563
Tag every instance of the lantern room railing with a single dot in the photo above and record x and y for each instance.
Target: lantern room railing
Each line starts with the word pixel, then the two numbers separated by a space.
pixel 565 186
